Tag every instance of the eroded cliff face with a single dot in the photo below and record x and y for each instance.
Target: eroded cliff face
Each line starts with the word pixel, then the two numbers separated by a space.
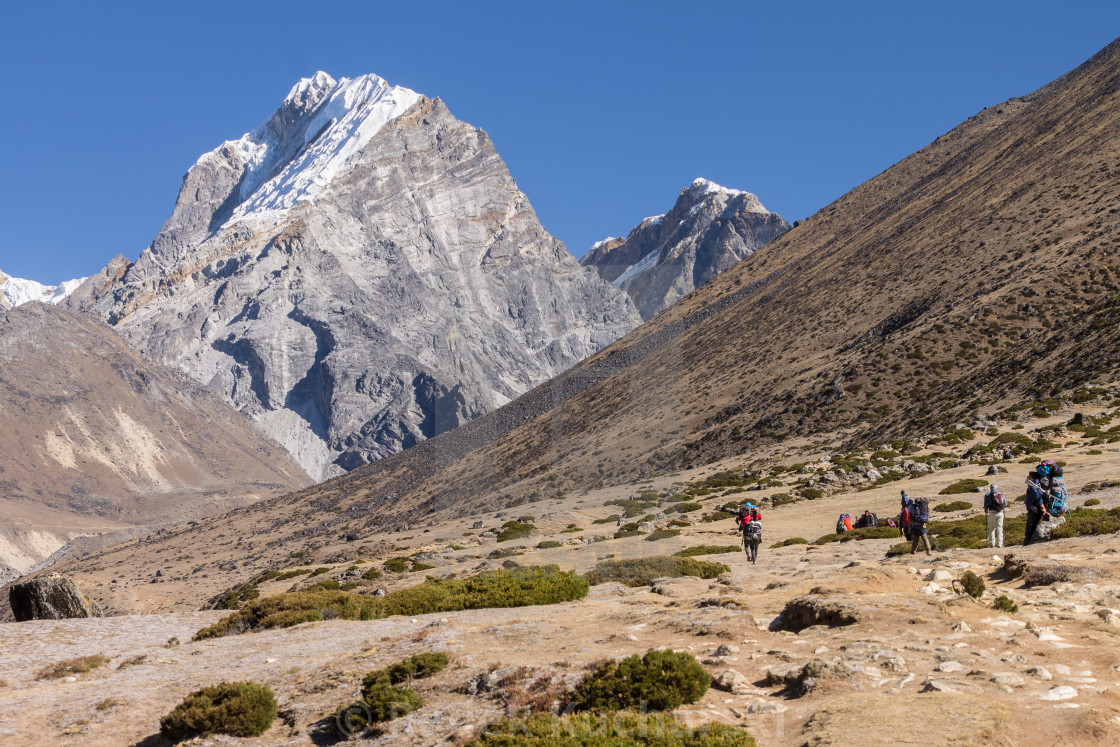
pixel 666 257
pixel 357 275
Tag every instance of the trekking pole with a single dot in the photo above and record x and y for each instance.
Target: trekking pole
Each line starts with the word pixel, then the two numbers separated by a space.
pixel 934 541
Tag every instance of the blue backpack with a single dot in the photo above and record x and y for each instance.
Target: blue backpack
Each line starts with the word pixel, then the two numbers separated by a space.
pixel 920 511
pixel 1059 501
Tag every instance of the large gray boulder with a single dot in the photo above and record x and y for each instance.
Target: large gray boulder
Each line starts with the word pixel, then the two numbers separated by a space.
pixel 50 598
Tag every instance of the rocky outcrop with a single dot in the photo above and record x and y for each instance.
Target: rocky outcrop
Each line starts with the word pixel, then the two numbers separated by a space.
pixel 666 257
pixel 359 274
pixel 50 598
pixel 807 611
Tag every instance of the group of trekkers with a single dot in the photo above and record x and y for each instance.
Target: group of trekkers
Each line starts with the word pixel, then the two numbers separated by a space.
pixel 845 523
pixel 1046 499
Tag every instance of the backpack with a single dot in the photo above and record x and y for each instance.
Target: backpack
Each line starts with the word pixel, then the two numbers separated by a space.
pixel 994 501
pixel 1059 501
pixel 742 514
pixel 874 521
pixel 840 528
pixel 754 529
pixel 921 510
pixel 891 523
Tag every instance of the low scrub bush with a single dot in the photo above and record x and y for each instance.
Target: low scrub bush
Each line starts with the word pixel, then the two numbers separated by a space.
pixel 864 533
pixel 387 701
pixel 623 533
pixel 1092 502
pixel 371 574
pixel 1089 521
pixel 679 523
pixel 239 709
pixel 690 552
pixel 417 667
pixel 662 534
pixel 812 494
pixel 396 565
pixel 781 499
pixel 683 508
pixel 521 587
pixel 512 530
pixel 972 584
pixel 641 571
pixel 952 506
pixel 967 485
pixel 549 544
pixel 631 508
pixel 612 519
pixel 658 681
pixel 608 729
pixel 69 667
pixel 1004 603
pixel 788 542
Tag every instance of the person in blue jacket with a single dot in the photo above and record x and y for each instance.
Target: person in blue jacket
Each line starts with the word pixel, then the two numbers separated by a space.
pixel 1036 507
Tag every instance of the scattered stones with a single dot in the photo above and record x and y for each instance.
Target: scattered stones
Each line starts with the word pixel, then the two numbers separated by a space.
pixel 962 627
pixel 726 649
pixel 950 666
pixel 1041 672
pixel 939 576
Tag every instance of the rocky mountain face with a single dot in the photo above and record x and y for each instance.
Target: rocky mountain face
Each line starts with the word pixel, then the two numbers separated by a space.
pixel 666 257
pixel 94 438
pixel 358 274
pixel 907 306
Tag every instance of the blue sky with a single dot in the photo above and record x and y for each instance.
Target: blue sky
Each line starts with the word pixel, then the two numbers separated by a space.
pixel 602 110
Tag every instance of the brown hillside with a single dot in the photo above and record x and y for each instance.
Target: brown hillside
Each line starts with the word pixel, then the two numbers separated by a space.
pixel 94 438
pixel 975 274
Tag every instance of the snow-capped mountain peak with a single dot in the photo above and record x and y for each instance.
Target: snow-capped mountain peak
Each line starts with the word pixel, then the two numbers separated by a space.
pixel 17 291
pixel 336 120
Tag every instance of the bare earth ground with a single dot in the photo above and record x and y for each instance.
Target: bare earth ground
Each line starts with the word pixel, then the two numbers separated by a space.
pixel 895 653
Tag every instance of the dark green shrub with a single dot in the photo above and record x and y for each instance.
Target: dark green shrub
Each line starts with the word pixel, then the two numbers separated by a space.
pixel 239 709
pixel 625 729
pixel 781 499
pixel 972 584
pixel 328 584
pixel 658 681
pixel 613 518
pixel 812 494
pixel 690 552
pixel 417 667
pixel 1092 502
pixel 388 701
pixel 396 565
pixel 371 574
pixel 1005 604
pixel 512 530
pixel 1087 522
pixel 662 534
pixel 641 571
pixel 549 544
pixel 952 506
pixel 865 533
pixel 421 566
pixel 788 542
pixel 631 508
pixel 968 485
pixel 320 571
pixel 623 533
pixel 683 508
pixel 679 523
pixel 516 588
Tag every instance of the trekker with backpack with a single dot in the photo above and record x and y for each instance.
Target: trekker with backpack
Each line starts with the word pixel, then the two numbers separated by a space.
pixel 906 518
pixel 752 534
pixel 867 521
pixel 919 518
pixel 1036 507
pixel 995 505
